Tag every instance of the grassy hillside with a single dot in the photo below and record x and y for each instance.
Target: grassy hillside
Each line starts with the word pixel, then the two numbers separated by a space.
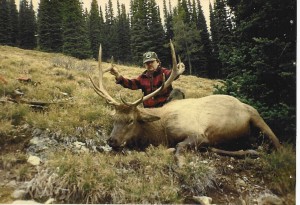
pixel 75 111
pixel 58 78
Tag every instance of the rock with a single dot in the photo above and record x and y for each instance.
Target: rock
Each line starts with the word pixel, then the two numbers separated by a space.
pixel 203 200
pixel 18 194
pixel 34 160
pixel 240 182
pixel 34 141
pixel 50 201
pixel 269 199
pixel 25 202
pixel 12 184
pixel 105 148
pixel 78 144
pixel 37 132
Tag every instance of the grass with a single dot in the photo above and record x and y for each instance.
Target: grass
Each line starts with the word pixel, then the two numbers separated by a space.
pixel 280 169
pixel 65 79
pixel 130 177
pixel 138 177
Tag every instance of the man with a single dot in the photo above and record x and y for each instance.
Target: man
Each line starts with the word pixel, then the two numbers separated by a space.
pixel 150 80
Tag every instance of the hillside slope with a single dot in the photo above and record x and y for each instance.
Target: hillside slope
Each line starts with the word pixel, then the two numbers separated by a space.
pixel 68 130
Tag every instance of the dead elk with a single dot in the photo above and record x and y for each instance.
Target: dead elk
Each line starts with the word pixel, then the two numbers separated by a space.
pixel 186 123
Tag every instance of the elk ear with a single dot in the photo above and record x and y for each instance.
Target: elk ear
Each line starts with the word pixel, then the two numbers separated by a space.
pixel 146 117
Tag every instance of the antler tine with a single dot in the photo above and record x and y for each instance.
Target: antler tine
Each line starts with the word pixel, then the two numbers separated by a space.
pixel 176 69
pixel 100 89
pixel 112 65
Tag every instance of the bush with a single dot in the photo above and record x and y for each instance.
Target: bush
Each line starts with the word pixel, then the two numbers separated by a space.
pixel 280 169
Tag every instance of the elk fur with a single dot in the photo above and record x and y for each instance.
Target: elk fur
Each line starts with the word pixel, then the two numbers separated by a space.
pixel 190 122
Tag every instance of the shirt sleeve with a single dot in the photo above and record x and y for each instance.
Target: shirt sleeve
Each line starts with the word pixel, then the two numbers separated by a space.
pixel 133 84
pixel 168 73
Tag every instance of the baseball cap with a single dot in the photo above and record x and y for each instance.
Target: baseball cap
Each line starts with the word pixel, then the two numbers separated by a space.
pixel 149 56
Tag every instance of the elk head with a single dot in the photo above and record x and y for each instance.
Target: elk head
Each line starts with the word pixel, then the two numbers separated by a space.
pixel 128 118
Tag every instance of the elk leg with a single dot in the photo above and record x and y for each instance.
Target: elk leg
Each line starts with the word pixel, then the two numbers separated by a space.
pixel 240 153
pixel 188 142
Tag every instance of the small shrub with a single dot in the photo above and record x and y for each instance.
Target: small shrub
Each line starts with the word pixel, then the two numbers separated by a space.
pixel 195 177
pixel 280 168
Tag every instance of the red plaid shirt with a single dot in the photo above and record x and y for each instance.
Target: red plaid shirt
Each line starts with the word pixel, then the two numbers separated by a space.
pixel 149 82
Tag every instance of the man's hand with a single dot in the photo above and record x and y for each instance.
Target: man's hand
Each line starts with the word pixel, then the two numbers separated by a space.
pixel 114 71
pixel 180 68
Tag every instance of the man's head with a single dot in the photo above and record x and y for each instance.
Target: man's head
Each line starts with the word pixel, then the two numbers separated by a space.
pixel 150 60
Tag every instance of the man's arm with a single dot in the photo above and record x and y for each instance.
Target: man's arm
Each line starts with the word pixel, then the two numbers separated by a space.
pixel 132 84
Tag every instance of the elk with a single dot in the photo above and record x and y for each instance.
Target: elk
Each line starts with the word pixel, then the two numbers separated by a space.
pixel 186 123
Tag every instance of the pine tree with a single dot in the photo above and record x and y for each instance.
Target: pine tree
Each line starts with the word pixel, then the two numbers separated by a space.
pixel 56 25
pixel 14 22
pixel 215 39
pixel 262 61
pixel 109 34
pixel 50 26
pixel 27 25
pixel 223 36
pixel 156 33
pixel 168 27
pixel 187 39
pixel 43 25
pixel 5 29
pixel 209 66
pixel 75 33
pixel 139 30
pixel 122 28
pixel 94 28
pixel 168 18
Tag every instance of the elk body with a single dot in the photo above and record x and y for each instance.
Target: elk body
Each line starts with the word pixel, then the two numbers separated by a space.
pixel 183 123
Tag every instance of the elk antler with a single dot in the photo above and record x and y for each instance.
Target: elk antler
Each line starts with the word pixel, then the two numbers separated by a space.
pixel 100 90
pixel 176 71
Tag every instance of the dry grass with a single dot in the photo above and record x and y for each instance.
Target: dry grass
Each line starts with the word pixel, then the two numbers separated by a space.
pixel 138 177
pixel 65 79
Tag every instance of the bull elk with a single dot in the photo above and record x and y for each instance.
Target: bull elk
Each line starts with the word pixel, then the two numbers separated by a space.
pixel 183 123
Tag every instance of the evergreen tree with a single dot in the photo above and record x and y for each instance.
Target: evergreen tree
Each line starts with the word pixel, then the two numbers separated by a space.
pixel 50 26
pixel 262 61
pixel 208 63
pixel 147 33
pixel 188 40
pixel 139 30
pixel 27 25
pixel 94 28
pixel 14 22
pixel 75 33
pixel 122 28
pixel 156 33
pixel 109 34
pixel 5 29
pixel 168 18
pixel 169 33
pixel 223 36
